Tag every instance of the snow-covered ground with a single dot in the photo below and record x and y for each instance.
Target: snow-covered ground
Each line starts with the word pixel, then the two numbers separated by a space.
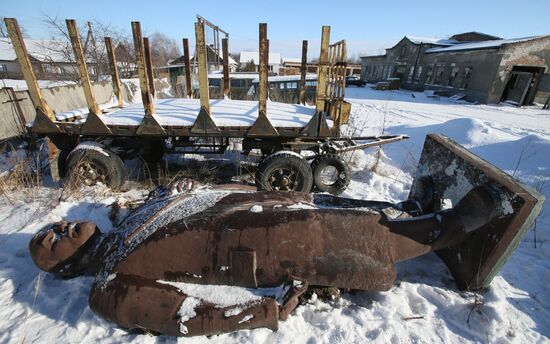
pixel 423 306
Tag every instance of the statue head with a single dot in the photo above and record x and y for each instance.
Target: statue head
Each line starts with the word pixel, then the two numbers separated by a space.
pixel 64 248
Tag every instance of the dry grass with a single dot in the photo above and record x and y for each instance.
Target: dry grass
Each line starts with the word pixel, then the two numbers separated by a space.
pixel 24 175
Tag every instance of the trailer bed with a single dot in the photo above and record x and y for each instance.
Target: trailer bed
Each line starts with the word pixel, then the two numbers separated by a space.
pixel 182 112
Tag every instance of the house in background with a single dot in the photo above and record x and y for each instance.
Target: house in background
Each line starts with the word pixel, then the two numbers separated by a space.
pixel 483 68
pixel 291 66
pixel 50 60
pixel 274 60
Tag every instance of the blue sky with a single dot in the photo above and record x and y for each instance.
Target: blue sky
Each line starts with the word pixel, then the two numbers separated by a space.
pixel 368 26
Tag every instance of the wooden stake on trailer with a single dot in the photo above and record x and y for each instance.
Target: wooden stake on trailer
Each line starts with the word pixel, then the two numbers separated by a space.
pixel 345 67
pixel 45 117
pixel 264 60
pixel 42 108
pixel 322 71
pixel 262 126
pixel 226 85
pixel 317 126
pixel 188 86
pixel 114 70
pixel 149 67
pixel 149 125
pixel 142 73
pixel 82 67
pixel 203 67
pixel 303 71
pixel 204 124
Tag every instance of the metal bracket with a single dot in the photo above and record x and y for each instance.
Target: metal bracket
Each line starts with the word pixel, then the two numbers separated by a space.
pixel 150 126
pixel 204 124
pixel 262 127
pixel 317 127
pixel 43 124
pixel 94 125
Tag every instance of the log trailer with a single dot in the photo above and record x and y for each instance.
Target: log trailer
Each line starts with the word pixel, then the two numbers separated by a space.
pixel 95 146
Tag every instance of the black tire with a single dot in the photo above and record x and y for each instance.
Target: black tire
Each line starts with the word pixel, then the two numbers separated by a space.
pixel 89 166
pixel 340 177
pixel 285 171
pixel 62 162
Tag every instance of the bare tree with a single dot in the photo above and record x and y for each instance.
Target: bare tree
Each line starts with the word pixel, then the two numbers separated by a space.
pixel 4 31
pixel 248 67
pixel 91 34
pixel 163 49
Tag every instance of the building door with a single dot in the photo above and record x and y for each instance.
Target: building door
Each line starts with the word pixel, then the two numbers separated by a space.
pixel 517 87
pixel 522 85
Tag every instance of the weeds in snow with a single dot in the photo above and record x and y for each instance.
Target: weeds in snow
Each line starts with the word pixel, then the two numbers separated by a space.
pixel 25 172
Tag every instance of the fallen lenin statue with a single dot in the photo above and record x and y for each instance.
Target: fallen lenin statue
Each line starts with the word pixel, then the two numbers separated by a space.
pixel 215 260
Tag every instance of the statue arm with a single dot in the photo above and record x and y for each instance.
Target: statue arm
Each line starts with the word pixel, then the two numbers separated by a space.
pixel 139 303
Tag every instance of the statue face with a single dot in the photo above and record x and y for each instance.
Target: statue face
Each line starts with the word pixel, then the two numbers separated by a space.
pixel 60 248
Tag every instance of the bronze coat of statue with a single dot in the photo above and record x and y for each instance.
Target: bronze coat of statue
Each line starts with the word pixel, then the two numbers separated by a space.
pixel 217 260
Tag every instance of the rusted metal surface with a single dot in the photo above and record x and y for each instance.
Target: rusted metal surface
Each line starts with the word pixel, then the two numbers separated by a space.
pixel 82 66
pixel 266 239
pixel 454 171
pixel 114 70
pixel 188 86
pixel 46 114
pixel 303 71
pixel 226 83
pixel 204 124
pixel 149 66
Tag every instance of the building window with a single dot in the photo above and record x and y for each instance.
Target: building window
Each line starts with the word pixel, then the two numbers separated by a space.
pixel 311 83
pixel 466 74
pixel 453 75
pixel 388 73
pixel 214 82
pixel 3 68
pixel 439 71
pixel 291 85
pixel 410 76
pixel 418 73
pixel 429 74
pixel 282 86
pixel 237 83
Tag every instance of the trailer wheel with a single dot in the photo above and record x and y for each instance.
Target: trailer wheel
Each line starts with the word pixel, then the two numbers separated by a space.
pixel 284 170
pixel 90 165
pixel 330 174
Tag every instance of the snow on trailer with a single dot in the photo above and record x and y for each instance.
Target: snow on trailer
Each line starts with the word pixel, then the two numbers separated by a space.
pixel 203 125
pixel 225 113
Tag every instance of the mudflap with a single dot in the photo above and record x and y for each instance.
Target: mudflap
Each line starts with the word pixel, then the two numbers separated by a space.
pixel 454 171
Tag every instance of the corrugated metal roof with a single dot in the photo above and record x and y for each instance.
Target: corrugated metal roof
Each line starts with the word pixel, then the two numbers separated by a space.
pixel 481 45
pixel 431 40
